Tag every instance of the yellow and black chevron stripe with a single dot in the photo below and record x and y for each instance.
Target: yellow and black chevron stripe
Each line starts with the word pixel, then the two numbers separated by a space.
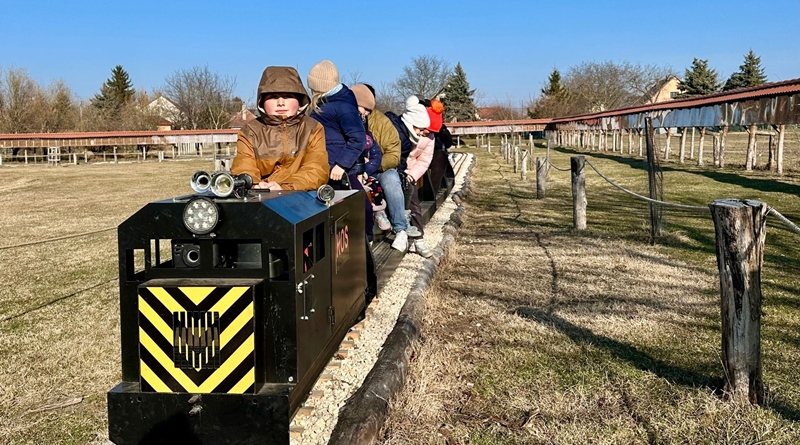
pixel 196 339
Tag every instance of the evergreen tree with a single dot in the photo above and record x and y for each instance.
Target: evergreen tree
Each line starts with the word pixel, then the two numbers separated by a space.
pixel 554 87
pixel 750 74
pixel 115 92
pixel 459 105
pixel 699 80
pixel 552 103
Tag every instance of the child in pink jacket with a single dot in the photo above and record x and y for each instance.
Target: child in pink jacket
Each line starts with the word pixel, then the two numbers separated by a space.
pixel 417 164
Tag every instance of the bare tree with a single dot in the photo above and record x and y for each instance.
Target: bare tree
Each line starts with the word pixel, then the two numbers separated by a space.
pixel 20 96
pixel 425 77
pixel 355 78
pixel 387 99
pixel 205 99
pixel 593 86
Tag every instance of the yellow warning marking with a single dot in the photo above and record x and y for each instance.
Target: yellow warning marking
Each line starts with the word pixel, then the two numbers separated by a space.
pixel 236 325
pixel 229 366
pixel 151 378
pixel 244 383
pixel 155 319
pixel 166 362
pixel 213 380
pixel 166 299
pixel 227 301
pixel 196 294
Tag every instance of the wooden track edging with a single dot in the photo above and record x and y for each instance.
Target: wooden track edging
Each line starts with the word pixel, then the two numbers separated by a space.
pixel 363 415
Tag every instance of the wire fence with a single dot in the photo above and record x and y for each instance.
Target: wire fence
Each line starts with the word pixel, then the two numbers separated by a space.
pixel 702 209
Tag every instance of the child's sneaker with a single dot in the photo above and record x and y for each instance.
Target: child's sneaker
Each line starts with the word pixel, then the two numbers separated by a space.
pixel 382 220
pixel 413 232
pixel 400 241
pixel 419 247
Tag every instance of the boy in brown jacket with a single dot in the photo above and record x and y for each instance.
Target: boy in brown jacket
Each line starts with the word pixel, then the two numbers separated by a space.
pixel 283 149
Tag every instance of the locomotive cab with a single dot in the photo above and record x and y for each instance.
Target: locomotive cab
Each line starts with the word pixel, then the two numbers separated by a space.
pixel 230 308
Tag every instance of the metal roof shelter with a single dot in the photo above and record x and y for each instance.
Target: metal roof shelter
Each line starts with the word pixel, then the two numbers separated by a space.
pixel 109 138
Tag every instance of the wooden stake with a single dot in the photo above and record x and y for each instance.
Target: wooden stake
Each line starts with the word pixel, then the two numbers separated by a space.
pixel 700 147
pixel 750 157
pixel 578 192
pixel 682 153
pixel 541 177
pixel 740 228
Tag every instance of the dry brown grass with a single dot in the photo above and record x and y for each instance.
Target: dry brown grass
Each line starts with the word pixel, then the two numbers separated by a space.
pixel 534 334
pixel 59 301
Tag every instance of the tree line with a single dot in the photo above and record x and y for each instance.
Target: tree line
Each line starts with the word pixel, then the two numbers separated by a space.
pixel 203 99
pixel 592 86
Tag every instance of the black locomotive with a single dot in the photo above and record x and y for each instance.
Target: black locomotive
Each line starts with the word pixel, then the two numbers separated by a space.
pixel 232 301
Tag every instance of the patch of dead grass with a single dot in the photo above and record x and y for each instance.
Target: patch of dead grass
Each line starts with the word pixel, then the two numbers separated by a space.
pixel 534 334
pixel 59 301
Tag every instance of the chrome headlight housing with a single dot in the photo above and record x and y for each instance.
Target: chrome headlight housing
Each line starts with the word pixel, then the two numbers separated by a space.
pixel 200 215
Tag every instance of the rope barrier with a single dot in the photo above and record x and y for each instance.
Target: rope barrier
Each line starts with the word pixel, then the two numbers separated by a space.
pixel 57 239
pixel 557 168
pixel 792 226
pixel 770 211
pixel 654 201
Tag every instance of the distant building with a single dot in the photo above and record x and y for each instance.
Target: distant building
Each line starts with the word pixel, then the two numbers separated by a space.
pixel 165 108
pixel 241 118
pixel 663 91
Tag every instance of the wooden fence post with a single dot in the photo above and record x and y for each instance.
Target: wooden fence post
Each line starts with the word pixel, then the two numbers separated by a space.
pixel 524 169
pixel 115 154
pixel 780 129
pixel 516 159
pixel 682 152
pixel 576 164
pixel 666 147
pixel 85 157
pixel 26 157
pixel 721 153
pixel 700 147
pixel 750 156
pixel 541 176
pixel 741 228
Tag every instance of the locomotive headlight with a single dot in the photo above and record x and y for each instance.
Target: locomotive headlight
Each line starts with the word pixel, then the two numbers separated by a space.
pixel 200 216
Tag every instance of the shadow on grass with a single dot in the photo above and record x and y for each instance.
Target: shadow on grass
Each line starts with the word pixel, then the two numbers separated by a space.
pixel 761 184
pixel 623 351
pixel 644 361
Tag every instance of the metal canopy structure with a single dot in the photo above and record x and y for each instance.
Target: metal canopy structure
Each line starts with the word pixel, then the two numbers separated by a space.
pixel 497 127
pixel 775 103
pixel 118 138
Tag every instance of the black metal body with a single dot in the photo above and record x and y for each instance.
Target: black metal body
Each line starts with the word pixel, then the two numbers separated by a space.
pixel 224 334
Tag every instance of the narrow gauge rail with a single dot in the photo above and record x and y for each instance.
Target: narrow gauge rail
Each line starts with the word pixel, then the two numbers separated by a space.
pixel 227 328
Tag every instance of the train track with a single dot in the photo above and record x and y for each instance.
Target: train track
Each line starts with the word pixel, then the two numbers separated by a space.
pixel 357 355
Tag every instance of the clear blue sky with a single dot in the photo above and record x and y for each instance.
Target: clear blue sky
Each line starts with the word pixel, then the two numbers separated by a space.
pixel 507 48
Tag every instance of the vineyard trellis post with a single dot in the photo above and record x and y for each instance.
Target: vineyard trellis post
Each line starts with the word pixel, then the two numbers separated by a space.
pixel 541 177
pixel 740 228
pixel 655 180
pixel 577 164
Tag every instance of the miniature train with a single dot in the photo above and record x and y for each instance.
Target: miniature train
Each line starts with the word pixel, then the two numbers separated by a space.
pixel 231 305
pixel 232 302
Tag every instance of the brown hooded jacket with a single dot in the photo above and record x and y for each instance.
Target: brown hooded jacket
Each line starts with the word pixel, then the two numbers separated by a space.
pixel 290 151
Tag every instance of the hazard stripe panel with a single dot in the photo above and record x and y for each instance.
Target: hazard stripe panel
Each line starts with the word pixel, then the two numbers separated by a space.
pixel 197 339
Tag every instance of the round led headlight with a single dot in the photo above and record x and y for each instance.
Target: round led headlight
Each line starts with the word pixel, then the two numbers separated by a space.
pixel 325 194
pixel 200 216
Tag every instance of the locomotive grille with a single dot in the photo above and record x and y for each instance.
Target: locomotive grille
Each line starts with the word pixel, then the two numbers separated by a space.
pixel 196 339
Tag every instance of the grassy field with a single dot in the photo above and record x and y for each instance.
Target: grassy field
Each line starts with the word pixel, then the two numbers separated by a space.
pixel 59 301
pixel 535 334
